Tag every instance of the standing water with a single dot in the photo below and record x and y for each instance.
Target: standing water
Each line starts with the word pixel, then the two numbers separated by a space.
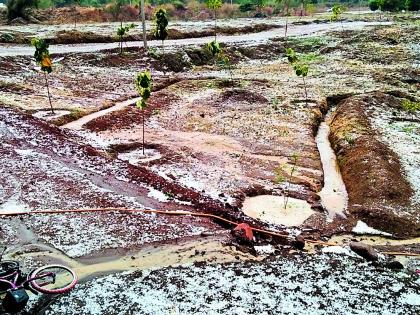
pixel 333 194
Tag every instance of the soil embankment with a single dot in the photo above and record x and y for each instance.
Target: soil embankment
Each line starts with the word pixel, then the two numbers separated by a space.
pixel 379 192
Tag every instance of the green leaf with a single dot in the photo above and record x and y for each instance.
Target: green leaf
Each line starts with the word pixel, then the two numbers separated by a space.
pixel 141 104
pixel 214 4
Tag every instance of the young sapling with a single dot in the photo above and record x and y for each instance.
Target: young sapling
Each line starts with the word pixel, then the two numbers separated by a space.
pixel 286 5
pixel 43 59
pixel 214 49
pixel 286 179
pixel 161 23
pixel 214 5
pixel 144 88
pixel 336 12
pixel 301 69
pixel 121 32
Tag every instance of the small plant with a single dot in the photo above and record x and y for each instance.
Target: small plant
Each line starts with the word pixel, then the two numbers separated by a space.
pixel 286 5
pixel 286 179
pixel 410 106
pixel 336 12
pixel 161 23
pixel 301 68
pixel 214 5
pixel 121 32
pixel 225 64
pixel 43 58
pixel 144 88
pixel 214 48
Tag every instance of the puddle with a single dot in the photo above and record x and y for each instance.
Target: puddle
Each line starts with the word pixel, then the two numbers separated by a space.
pixel 270 209
pixel 137 157
pixel 334 194
pixel 48 115
pixel 206 249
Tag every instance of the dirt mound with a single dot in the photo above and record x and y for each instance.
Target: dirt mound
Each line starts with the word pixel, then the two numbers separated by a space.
pixel 75 37
pixel 83 15
pixel 378 191
pixel 240 96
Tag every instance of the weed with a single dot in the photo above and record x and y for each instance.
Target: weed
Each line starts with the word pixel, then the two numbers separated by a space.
pixel 410 106
pixel 349 138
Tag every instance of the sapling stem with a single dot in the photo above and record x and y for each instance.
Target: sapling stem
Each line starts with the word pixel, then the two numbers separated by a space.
pixel 48 92
pixel 143 133
pixel 286 192
pixel 306 92
pixel 215 25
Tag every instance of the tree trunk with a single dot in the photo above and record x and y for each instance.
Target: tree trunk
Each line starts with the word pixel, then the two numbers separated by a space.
pixel 143 21
pixel 48 92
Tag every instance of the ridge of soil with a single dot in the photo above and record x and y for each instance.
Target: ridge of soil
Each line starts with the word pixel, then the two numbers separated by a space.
pixel 371 171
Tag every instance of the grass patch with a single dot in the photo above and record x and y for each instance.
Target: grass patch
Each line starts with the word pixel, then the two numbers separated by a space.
pixel 410 106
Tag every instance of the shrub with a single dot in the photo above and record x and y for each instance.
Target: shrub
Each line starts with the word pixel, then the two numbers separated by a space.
pixel 246 7
pixel 374 4
pixel 412 5
pixel 160 25
pixel 19 8
pixel 411 106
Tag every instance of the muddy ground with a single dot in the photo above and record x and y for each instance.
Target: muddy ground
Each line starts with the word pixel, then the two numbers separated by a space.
pixel 215 137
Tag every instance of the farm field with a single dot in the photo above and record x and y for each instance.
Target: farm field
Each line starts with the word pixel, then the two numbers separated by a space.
pixel 311 139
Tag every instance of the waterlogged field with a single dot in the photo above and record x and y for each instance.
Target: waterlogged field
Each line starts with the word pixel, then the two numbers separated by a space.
pixel 319 160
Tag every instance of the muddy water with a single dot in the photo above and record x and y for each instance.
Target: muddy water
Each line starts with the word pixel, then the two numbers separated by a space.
pixel 333 194
pixel 271 209
pixel 206 249
pixel 244 39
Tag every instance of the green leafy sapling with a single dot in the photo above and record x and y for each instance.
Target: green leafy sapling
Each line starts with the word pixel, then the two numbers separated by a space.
pixel 144 88
pixel 336 12
pixel 43 59
pixel 121 32
pixel 161 23
pixel 301 69
pixel 214 5
pixel 280 178
pixel 214 48
pixel 220 57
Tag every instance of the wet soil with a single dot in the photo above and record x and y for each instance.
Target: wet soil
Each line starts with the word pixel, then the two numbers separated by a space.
pixel 219 138
pixel 378 191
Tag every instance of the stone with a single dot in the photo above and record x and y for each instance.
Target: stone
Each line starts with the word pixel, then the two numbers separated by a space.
pixel 299 242
pixel 243 232
pixel 394 264
pixel 364 250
